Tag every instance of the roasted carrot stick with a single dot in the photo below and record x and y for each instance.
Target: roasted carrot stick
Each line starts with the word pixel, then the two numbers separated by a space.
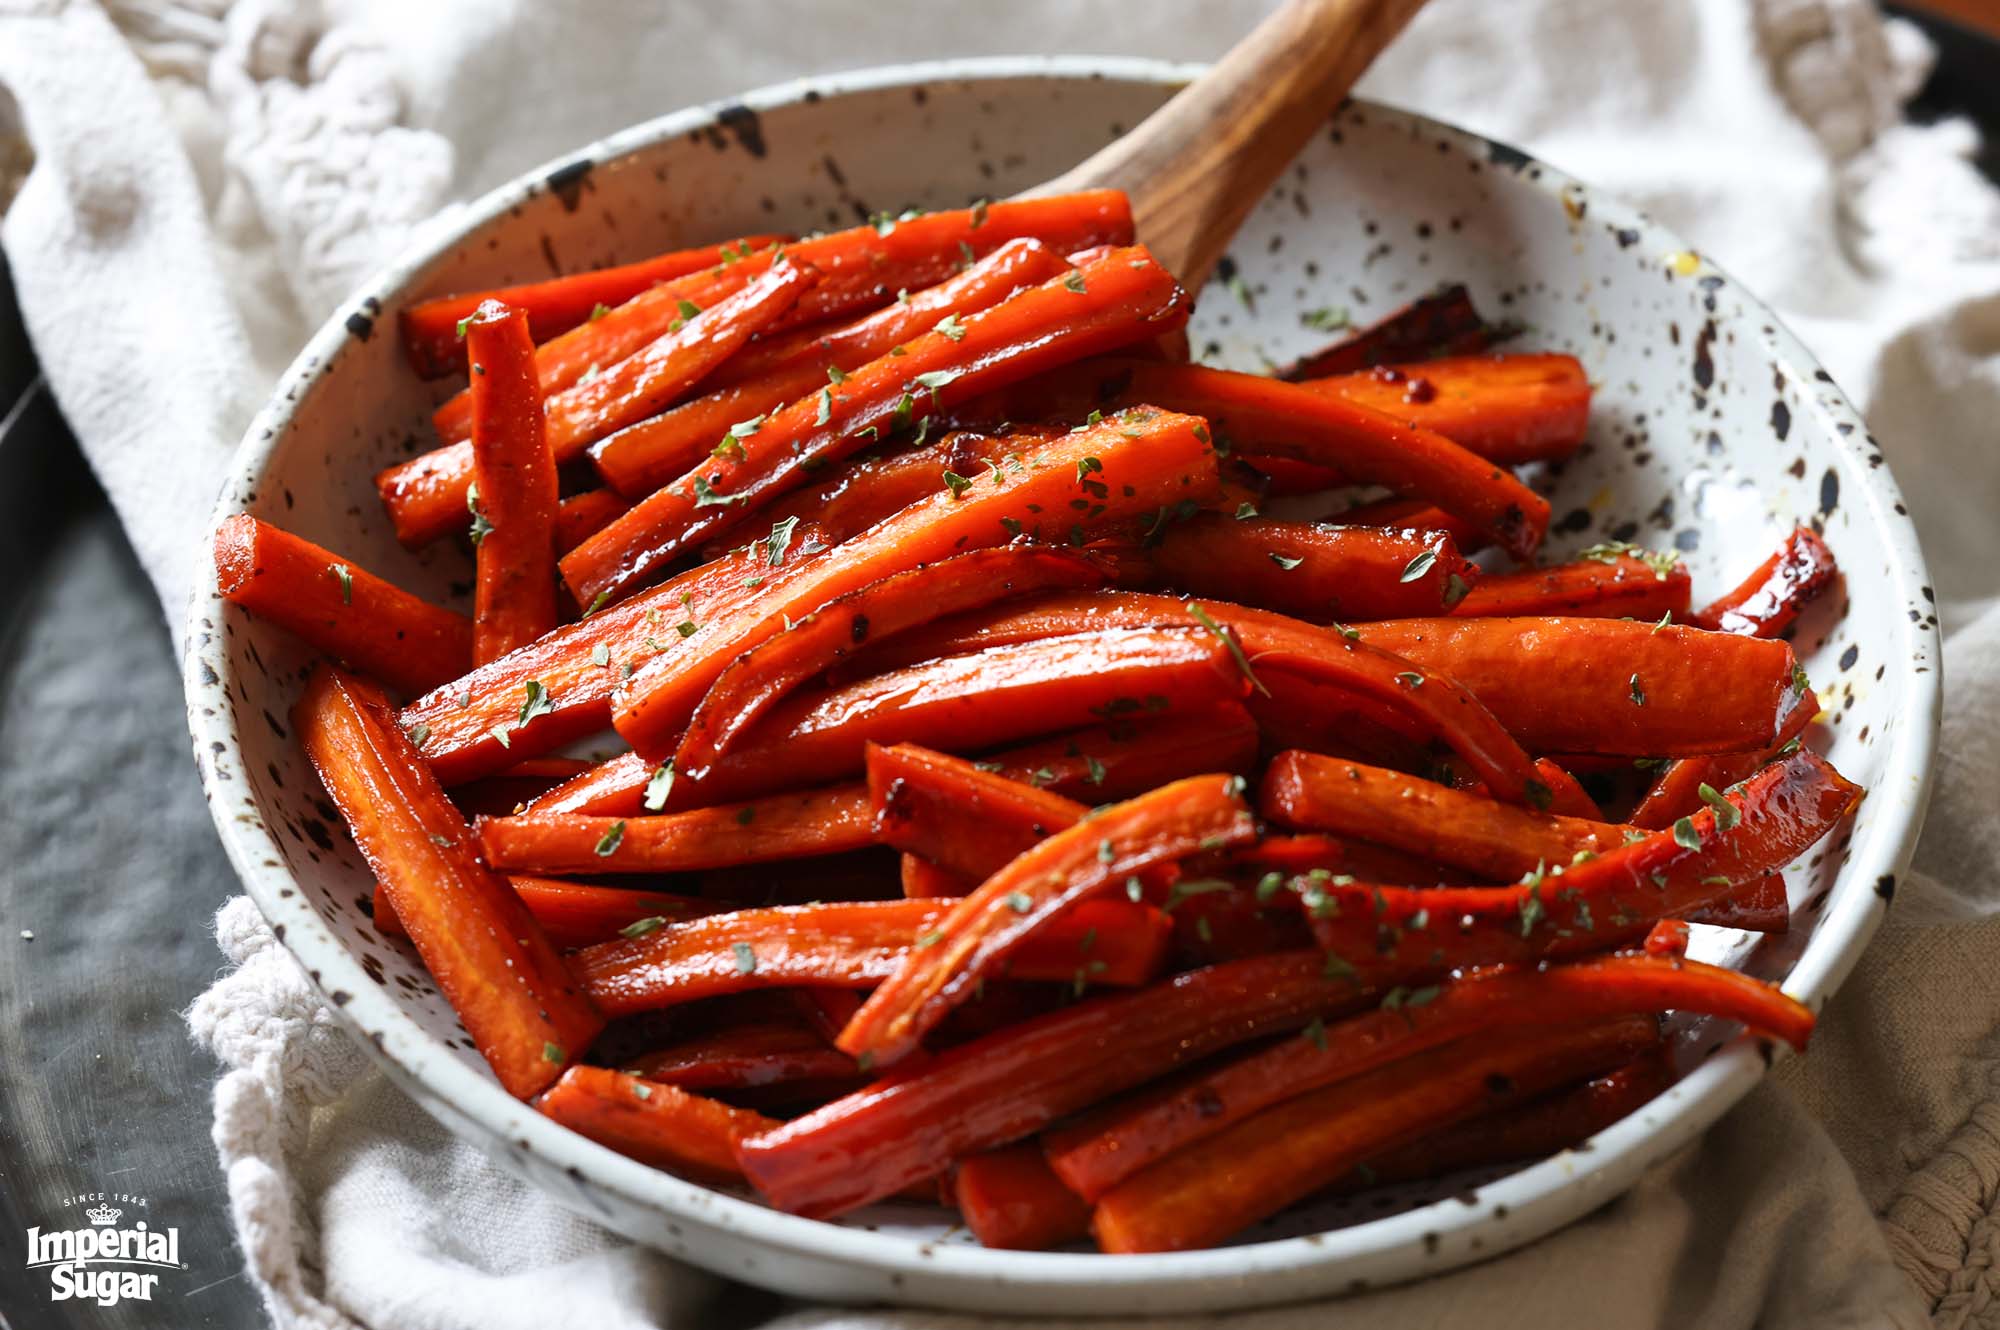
pixel 514 478
pixel 1012 1201
pixel 614 788
pixel 743 1057
pixel 1104 1148
pixel 583 515
pixel 1312 569
pixel 1111 303
pixel 1166 462
pixel 338 608
pixel 1756 905
pixel 1560 1121
pixel 558 689
pixel 641 458
pixel 791 826
pixel 1677 789
pixel 1617 586
pixel 1772 818
pixel 1493 840
pixel 849 944
pixel 505 791
pixel 967 820
pixel 1200 1195
pixel 1086 859
pixel 1413 514
pixel 924 880
pixel 655 1124
pixel 747 690
pixel 1268 418
pixel 1767 601
pixel 1441 324
pixel 431 332
pixel 576 915
pixel 1122 758
pixel 491 960
pixel 1010 1084
pixel 1508 409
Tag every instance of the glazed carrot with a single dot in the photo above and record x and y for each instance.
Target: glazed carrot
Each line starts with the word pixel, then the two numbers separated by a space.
pixel 1508 409
pixel 1677 789
pixel 743 1057
pixel 573 914
pixel 656 1124
pixel 514 480
pixel 491 960
pixel 558 689
pixel 1087 859
pixel 791 826
pixel 1756 905
pixel 1493 840
pixel 339 608
pixel 613 788
pixel 1566 794
pixel 1311 569
pixel 1111 303
pixel 1773 817
pixel 860 268
pixel 1012 1201
pixel 870 488
pixel 1767 601
pixel 436 345
pixel 1668 938
pixel 826 1010
pixel 504 791
pixel 1269 418
pixel 1010 1084
pixel 976 702
pixel 1212 926
pixel 1412 514
pixel 426 496
pixel 644 456
pixel 583 515
pixel 762 677
pixel 1164 463
pixel 924 880
pixel 1441 324
pixel 1201 1195
pixel 1105 1147
pixel 1293 855
pixel 848 944
pixel 964 819
pixel 1122 758
pixel 1617 586
pixel 1556 1122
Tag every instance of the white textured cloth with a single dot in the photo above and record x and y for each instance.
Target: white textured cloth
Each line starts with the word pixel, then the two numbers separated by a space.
pixel 209 176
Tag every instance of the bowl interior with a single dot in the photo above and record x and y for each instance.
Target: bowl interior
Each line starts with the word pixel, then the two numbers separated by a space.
pixel 1712 434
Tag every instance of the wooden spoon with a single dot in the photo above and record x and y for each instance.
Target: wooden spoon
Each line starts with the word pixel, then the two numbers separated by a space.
pixel 1195 167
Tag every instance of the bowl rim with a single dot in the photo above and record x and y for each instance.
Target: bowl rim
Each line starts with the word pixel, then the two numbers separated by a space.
pixel 1511 1210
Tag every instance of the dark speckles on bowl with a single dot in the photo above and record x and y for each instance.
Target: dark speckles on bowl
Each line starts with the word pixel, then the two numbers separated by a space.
pixel 1679 453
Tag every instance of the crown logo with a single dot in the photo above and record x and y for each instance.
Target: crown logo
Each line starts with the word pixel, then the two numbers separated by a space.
pixel 104 1215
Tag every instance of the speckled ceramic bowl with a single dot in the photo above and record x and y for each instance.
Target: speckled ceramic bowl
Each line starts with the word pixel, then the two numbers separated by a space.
pixel 1713 432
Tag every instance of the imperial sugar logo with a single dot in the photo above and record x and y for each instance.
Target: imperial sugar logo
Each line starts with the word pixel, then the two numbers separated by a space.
pixel 104 1252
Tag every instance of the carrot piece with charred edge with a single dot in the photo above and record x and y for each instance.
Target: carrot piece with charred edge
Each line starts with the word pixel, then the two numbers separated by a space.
pixel 850 944
pixel 583 515
pixel 1776 815
pixel 1269 418
pixel 1767 601
pixel 1086 859
pixel 431 328
pixel 514 599
pixel 1012 1201
pixel 1201 1195
pixel 1109 304
pixel 1410 513
pixel 924 880
pixel 1311 569
pixel 660 1125
pixel 975 702
pixel 1443 323
pixel 1105 1147
pixel 515 994
pixel 860 268
pixel 1128 757
pixel 339 608
pixel 1618 587
pixel 1560 1121
pixel 746 691
pixel 746 1056
pixel 460 725
pixel 964 819
pixel 1164 463
pixel 1507 408
pixel 1497 841
pixel 1007 1085
pixel 648 454
pixel 574 914
pixel 789 826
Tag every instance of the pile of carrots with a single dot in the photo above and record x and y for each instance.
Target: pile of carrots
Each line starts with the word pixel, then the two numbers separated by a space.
pixel 1018 812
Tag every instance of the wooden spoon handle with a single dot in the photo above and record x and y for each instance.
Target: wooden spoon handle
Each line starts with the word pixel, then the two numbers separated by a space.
pixel 1196 166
